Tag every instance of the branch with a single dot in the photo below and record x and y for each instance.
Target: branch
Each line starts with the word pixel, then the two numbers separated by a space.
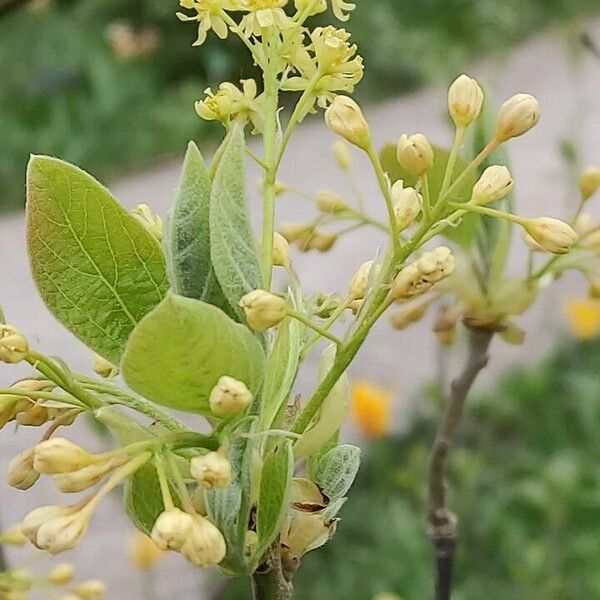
pixel 442 523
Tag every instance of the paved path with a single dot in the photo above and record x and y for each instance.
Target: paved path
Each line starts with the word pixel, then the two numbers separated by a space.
pixel 571 107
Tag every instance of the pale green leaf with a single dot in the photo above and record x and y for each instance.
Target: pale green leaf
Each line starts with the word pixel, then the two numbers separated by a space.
pixel 274 496
pixel 232 244
pixel 178 352
pixel 97 269
pixel 337 470
pixel 187 235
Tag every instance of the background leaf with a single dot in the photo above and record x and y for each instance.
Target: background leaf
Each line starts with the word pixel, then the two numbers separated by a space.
pixel 232 243
pixel 187 236
pixel 176 355
pixel 464 234
pixel 97 269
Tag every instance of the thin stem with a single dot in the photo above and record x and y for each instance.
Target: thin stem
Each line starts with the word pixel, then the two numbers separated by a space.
pixel 459 136
pixel 426 196
pixel 182 490
pixel 316 328
pixel 442 523
pixel 387 194
pixel 365 219
pixel 489 212
pixel 269 582
pixel 164 484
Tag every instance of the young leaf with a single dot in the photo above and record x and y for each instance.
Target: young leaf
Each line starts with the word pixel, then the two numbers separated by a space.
pixel 178 352
pixel 232 244
pixel 274 496
pixel 187 236
pixel 97 269
pixel 337 470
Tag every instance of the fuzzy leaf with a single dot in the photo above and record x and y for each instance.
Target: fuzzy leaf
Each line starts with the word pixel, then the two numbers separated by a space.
pixel 176 355
pixel 337 470
pixel 232 243
pixel 97 269
pixel 187 236
pixel 274 496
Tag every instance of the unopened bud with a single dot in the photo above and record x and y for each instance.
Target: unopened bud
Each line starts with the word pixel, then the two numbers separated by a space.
pixel 62 533
pixel 61 574
pixel 104 368
pixel 211 470
pixel 151 222
pixel 171 529
pixel 407 204
pixel 38 516
pixel 229 397
pixel 281 251
pixel 30 413
pixel 409 315
pixel 465 99
pixel 415 154
pixel 21 474
pixel 205 545
pixel 517 116
pixel 589 182
pixel 531 243
pixel 13 346
pixel 345 118
pixel 322 242
pixel 58 455
pixel 330 202
pixel 551 234
pixel 81 479
pixel 368 271
pixel 326 304
pixel 13 536
pixel 90 590
pixel 263 310
pixel 494 184
pixel 293 232
pixel 341 154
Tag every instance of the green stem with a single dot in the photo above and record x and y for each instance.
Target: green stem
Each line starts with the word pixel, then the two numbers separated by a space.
pixel 316 328
pixel 489 212
pixel 426 196
pixel 458 140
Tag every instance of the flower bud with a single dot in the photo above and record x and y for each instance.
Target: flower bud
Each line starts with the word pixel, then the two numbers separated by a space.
pixel 281 251
pixel 415 154
pixel 205 544
pixel 494 184
pixel 589 182
pixel 531 243
pixel 8 406
pixel 90 590
pixel 229 397
pixel 13 536
pixel 61 574
pixel 171 529
pixel 315 7
pixel 21 474
pixel 293 232
pixel 151 222
pixel 517 116
pixel 211 470
pixel 551 234
pixel 407 204
pixel 409 315
pixel 144 553
pixel 13 346
pixel 360 282
pixel 322 242
pixel 58 455
pixel 30 413
pixel 61 533
pixel 330 202
pixel 38 516
pixel 465 99
pixel 345 118
pixel 104 368
pixel 327 304
pixel 82 479
pixel 341 154
pixel 263 309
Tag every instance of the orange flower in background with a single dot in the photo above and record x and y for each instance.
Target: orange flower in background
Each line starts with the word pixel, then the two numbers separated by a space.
pixel 143 552
pixel 371 408
pixel 583 317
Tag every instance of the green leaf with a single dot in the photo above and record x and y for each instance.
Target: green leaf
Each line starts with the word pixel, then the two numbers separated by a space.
pixel 178 352
pixel 465 233
pixel 229 507
pixel 187 236
pixel 97 269
pixel 232 243
pixel 337 471
pixel 281 370
pixel 142 496
pixel 274 496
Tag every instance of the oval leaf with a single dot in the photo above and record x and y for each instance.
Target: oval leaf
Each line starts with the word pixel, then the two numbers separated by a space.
pixel 97 269
pixel 232 244
pixel 187 235
pixel 178 352
pixel 337 470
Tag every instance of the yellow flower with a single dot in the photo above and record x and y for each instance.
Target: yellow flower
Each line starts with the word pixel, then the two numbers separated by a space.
pixel 143 552
pixel 340 7
pixel 371 407
pixel 263 14
pixel 209 14
pixel 583 317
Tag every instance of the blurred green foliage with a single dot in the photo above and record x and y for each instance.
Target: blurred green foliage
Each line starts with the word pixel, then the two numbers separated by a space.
pixel 525 484
pixel 65 93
